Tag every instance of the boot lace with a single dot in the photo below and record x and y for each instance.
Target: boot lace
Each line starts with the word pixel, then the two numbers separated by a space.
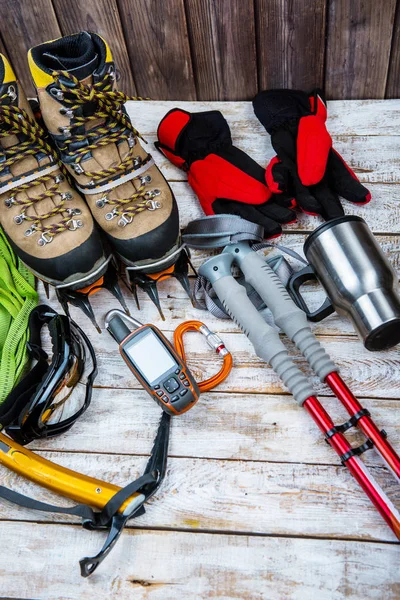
pixel 16 121
pixel 108 107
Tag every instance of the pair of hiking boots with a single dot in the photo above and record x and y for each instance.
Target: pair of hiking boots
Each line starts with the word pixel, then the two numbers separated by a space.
pixel 76 186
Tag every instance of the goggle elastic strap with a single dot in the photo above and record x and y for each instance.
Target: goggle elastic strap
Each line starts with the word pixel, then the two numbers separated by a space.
pixel 14 407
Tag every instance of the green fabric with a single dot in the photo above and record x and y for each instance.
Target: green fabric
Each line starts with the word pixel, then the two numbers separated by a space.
pixel 17 299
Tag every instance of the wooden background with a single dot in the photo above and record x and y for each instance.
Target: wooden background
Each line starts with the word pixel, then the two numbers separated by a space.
pixel 224 49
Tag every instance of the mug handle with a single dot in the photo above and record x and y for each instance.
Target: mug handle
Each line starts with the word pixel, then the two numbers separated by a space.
pixel 294 284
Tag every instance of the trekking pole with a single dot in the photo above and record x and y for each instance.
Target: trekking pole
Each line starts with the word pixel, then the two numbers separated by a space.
pixel 269 347
pixel 293 321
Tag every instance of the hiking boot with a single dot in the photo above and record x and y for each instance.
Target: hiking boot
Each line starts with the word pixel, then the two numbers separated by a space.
pixel 47 223
pixel 129 198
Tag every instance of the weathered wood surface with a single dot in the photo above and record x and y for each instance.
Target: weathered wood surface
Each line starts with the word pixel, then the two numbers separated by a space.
pixel 266 427
pixel 255 504
pixel 393 79
pixel 23 25
pixel 158 46
pixel 367 135
pixel 231 496
pixel 223 46
pixel 161 565
pixel 356 118
pixel 203 49
pixel 295 30
pixel 359 41
pixel 368 374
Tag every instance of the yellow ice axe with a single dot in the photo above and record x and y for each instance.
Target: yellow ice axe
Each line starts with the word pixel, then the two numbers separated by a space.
pixel 116 505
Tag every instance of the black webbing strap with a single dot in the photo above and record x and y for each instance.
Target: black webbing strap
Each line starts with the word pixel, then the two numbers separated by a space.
pixel 367 445
pixel 90 518
pixel 217 231
pixel 352 422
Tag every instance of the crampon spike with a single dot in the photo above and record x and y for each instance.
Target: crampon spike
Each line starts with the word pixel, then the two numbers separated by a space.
pixel 149 286
pixel 110 283
pixel 80 298
pixel 148 281
pixel 181 272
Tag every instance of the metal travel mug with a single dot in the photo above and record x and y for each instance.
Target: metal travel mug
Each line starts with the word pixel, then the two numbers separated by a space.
pixel 361 284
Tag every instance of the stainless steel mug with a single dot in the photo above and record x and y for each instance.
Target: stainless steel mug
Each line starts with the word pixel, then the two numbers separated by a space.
pixel 361 284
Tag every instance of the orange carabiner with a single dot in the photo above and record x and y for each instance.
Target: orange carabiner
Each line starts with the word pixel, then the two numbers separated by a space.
pixel 215 342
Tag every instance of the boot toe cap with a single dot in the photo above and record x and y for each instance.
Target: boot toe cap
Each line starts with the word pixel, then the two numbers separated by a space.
pixel 67 267
pixel 154 244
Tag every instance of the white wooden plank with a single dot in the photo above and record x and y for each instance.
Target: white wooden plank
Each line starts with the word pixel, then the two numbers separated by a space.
pixel 382 213
pixel 182 566
pixel 365 132
pixel 235 426
pixel 367 374
pixel 250 497
pixel 354 117
pixel 372 158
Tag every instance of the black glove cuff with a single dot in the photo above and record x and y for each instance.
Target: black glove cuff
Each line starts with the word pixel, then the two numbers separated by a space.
pixel 275 108
pixel 205 133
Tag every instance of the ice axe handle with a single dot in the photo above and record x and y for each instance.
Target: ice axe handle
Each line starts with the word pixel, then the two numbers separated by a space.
pixel 264 338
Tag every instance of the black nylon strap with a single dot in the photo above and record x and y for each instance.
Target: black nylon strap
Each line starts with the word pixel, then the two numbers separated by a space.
pixel 90 518
pixel 352 422
pixel 80 510
pixel 115 503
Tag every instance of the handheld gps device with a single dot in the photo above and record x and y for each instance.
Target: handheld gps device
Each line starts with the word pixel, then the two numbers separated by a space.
pixel 154 362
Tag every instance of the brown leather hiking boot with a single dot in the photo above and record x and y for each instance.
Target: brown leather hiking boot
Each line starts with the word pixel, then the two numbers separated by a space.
pixel 47 223
pixel 84 113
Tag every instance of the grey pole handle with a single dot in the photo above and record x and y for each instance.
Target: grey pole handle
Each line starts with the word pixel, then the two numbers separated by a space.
pixel 265 339
pixel 287 315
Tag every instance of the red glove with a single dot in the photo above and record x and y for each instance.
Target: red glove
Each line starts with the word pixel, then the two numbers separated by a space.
pixel 225 179
pixel 306 164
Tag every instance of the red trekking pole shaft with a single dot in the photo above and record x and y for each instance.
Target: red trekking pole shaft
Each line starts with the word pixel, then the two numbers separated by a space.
pixel 292 320
pixel 357 468
pixel 366 424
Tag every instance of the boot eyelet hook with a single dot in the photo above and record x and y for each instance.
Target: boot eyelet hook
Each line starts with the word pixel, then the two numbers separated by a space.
pixel 65 131
pixel 101 202
pixel 78 169
pixel 125 219
pixel 152 194
pixel 73 211
pixel 9 201
pixel 66 196
pixel 145 179
pixel 12 93
pixel 111 215
pixel 131 140
pixel 30 231
pixel 57 93
pixel 45 238
pixel 19 218
pixel 153 204
pixel 74 224
pixel 67 112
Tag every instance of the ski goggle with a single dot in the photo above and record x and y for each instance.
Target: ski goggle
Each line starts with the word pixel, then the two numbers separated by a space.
pixel 54 394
